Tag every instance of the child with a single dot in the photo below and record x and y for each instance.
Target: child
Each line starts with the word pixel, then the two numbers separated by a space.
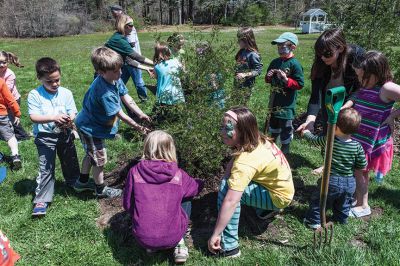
pixel 258 175
pixel 98 119
pixel 167 68
pixel 8 257
pixel 374 101
pixel 7 102
pixel 215 80
pixel 348 156
pixel 286 77
pixel 157 196
pixel 248 64
pixel 175 43
pixel 52 110
pixel 9 76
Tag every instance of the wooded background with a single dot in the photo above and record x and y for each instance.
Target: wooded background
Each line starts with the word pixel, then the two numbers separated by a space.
pixel 47 18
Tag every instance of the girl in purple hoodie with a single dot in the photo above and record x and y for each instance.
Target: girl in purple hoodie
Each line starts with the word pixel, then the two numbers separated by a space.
pixel 157 195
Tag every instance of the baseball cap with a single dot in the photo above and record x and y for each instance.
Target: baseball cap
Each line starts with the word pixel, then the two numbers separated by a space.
pixel 286 36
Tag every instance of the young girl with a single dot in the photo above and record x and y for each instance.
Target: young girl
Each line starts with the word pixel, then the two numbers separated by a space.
pixel 175 43
pixel 374 101
pixel 169 88
pixel 248 64
pixel 157 196
pixel 9 76
pixel 258 176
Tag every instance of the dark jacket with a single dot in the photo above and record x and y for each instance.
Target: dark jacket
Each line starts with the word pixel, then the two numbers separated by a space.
pixel 318 85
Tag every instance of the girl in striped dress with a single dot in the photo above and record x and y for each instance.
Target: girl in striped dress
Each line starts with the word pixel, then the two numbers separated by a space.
pixel 374 101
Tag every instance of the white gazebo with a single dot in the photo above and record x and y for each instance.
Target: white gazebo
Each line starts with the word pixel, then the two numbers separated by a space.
pixel 314 20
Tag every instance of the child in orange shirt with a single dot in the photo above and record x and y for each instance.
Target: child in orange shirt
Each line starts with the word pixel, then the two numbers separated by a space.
pixel 7 101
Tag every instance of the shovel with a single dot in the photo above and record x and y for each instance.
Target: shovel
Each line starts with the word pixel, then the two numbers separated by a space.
pixel 333 102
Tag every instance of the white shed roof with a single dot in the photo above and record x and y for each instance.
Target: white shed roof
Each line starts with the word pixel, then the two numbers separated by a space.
pixel 315 12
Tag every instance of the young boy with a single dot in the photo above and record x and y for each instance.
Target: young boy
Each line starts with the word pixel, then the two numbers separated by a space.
pixel 348 156
pixel 286 77
pixel 52 110
pixel 7 101
pixel 98 119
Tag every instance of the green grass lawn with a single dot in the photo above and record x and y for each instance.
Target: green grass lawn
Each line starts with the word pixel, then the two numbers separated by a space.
pixel 68 235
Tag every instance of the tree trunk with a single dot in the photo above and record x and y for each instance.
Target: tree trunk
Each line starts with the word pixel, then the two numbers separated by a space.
pixel 170 14
pixel 179 12
pixel 190 10
pixel 161 11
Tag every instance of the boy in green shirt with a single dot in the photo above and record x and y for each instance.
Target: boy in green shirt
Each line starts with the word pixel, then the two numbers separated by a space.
pixel 285 74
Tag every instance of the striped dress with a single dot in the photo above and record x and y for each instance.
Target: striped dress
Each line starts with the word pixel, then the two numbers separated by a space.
pixel 374 137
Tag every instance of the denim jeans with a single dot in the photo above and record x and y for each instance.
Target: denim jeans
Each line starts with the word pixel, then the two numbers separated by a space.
pixel 187 207
pixel 136 74
pixel 340 196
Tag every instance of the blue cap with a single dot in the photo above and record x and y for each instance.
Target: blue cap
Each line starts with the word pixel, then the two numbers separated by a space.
pixel 286 36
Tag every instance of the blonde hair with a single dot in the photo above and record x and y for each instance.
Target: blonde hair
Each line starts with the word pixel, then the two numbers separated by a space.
pixel 121 22
pixel 104 59
pixel 159 145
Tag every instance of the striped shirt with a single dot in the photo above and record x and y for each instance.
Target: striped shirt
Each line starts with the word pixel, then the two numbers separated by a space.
pixel 347 155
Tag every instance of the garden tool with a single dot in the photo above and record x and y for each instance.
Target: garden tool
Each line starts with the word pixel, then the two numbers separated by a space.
pixel 333 102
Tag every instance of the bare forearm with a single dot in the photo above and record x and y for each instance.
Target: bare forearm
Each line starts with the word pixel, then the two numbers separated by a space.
pixel 42 119
pixel 130 103
pixel 129 120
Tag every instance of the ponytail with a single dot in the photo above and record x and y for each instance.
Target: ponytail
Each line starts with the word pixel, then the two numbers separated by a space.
pixel 11 58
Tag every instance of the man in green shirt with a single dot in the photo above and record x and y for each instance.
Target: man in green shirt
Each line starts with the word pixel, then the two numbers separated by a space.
pixel 285 74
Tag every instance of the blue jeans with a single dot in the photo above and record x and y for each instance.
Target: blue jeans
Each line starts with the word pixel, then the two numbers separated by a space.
pixel 187 207
pixel 340 196
pixel 136 74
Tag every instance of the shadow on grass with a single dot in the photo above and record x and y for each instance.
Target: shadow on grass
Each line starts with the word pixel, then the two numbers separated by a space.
pixel 390 196
pixel 124 247
pixel 27 187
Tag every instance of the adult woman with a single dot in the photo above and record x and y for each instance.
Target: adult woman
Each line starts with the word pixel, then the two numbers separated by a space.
pixel 332 67
pixel 258 176
pixel 121 45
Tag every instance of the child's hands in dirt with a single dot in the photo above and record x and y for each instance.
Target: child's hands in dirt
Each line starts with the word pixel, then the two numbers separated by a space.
pixel 61 119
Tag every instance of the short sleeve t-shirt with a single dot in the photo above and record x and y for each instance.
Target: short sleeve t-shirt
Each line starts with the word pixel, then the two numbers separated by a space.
pixel 133 38
pixel 42 102
pixel 267 166
pixel 169 88
pixel 101 104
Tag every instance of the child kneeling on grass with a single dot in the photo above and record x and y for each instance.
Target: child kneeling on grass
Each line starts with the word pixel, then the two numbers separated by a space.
pixel 348 156
pixel 99 119
pixel 52 107
pixel 157 195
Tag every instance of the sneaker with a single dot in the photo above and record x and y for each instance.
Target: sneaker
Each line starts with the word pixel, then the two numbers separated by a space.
pixel 357 213
pixel 181 253
pixel 39 209
pixel 80 187
pixel 311 225
pixel 234 253
pixel 109 192
pixel 16 162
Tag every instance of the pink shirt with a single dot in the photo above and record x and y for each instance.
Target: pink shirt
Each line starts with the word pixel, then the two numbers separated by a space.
pixel 10 77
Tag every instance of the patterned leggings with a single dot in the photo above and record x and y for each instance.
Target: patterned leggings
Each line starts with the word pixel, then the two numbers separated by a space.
pixel 255 195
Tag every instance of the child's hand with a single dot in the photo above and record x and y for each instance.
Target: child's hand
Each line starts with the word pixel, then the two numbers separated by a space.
pixel 151 73
pixel 390 122
pixel 282 75
pixel 240 76
pixel 143 130
pixel 17 120
pixel 214 244
pixel 271 73
pixel 145 117
pixel 61 118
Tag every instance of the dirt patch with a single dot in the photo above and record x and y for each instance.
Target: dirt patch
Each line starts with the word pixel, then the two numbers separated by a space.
pixel 376 212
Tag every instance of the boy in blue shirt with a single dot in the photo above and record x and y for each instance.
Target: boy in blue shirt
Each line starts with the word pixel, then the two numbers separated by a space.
pixel 52 110
pixel 99 118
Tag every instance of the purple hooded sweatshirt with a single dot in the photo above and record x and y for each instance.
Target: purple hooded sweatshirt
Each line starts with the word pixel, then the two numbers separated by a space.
pixel 153 194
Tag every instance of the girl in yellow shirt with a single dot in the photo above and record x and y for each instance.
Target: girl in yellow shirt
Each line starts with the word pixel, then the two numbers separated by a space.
pixel 258 176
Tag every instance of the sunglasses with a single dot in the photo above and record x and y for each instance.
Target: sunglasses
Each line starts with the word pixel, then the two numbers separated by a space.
pixel 3 62
pixel 129 25
pixel 327 54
